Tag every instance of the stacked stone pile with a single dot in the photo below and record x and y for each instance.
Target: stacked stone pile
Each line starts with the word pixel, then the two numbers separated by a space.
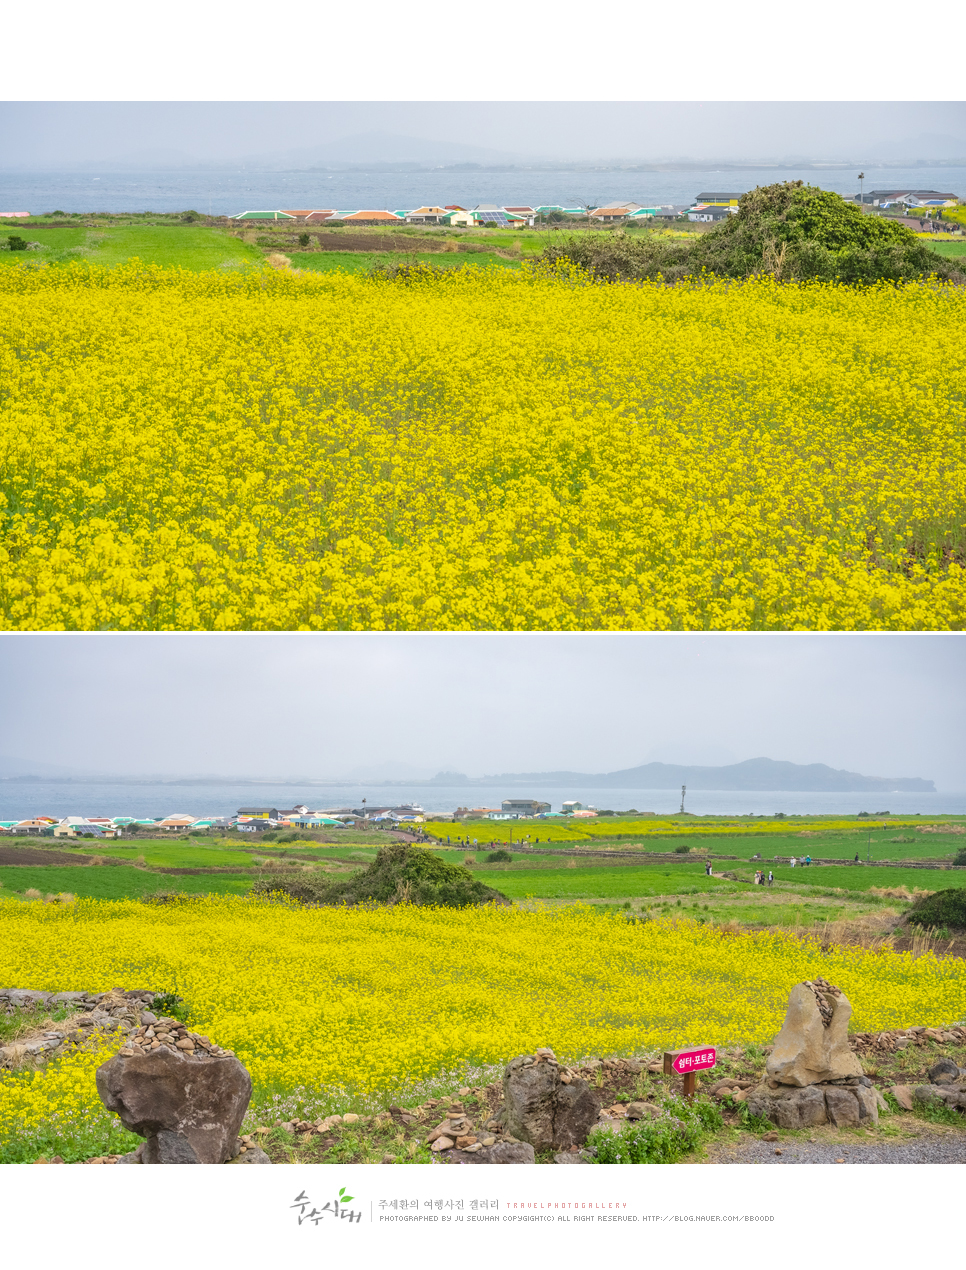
pixel 98 1012
pixel 901 1038
pixel 172 1034
pixel 947 1086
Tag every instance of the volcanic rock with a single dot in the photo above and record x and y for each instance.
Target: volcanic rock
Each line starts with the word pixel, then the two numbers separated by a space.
pixel 944 1071
pixel 499 1153
pixel 541 1110
pixel 199 1097
pixel 813 1046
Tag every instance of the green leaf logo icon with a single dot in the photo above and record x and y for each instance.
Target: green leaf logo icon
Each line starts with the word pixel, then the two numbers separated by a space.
pixel 343 1197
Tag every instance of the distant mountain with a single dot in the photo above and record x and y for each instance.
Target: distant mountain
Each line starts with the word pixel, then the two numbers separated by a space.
pixel 378 149
pixel 17 768
pixel 753 775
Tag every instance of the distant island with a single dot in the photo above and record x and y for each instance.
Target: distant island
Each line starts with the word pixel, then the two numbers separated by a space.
pixel 755 774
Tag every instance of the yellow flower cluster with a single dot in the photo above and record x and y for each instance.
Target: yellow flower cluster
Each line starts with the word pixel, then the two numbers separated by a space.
pixel 486 450
pixel 588 828
pixel 371 1002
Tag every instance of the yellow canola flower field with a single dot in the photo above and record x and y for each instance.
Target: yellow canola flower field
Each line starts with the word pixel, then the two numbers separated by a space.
pixel 587 828
pixel 489 450
pixel 369 1004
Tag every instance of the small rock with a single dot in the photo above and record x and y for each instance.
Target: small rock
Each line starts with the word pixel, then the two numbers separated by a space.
pixel 254 1155
pixel 903 1096
pixel 501 1153
pixel 640 1110
pixel 442 1143
pixel 569 1157
pixel 943 1071
pixel 350 1118
pixel 770 1137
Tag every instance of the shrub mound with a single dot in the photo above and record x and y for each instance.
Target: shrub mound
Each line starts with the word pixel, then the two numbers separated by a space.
pixel 942 908
pixel 790 230
pixel 400 874
pixel 499 857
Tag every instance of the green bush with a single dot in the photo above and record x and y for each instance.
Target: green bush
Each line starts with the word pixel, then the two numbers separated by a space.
pixel 499 857
pixel 789 230
pixel 400 874
pixel 663 1140
pixel 16 243
pixel 304 240
pixel 944 908
pixel 683 849
pixel 960 858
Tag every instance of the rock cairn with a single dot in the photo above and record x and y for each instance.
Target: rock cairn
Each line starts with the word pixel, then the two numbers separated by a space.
pixel 812 1075
pixel 171 1033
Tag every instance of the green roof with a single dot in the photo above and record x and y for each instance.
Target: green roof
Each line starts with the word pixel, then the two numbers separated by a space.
pixel 264 216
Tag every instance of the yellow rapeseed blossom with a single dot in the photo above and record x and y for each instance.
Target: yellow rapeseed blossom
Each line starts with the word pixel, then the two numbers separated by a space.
pixel 488 450
pixel 370 1003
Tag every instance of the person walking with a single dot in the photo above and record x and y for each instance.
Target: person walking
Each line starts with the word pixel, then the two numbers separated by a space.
pixel 808 859
pixel 771 877
pixel 793 862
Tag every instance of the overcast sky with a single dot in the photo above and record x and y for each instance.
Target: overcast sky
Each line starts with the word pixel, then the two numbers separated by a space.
pixel 40 134
pixel 330 705
pixel 307 50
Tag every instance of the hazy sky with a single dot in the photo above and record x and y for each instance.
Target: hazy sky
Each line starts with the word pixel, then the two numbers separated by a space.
pixel 307 50
pixel 328 705
pixel 39 134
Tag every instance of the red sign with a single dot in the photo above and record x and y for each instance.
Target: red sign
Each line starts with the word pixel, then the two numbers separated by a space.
pixel 684 1062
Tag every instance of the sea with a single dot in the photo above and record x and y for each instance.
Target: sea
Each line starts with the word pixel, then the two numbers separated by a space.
pixel 226 192
pixel 21 799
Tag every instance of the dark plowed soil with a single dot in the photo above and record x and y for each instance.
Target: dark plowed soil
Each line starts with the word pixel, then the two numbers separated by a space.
pixel 30 855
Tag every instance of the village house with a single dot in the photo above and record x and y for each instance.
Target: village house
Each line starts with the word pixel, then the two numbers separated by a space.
pixel 263 216
pixel 707 213
pixel 719 200
pixel 311 216
pixel 614 212
pixel 524 807
pixel 176 821
pixel 428 216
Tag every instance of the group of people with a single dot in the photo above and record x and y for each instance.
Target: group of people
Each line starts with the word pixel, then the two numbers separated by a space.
pixel 806 859
pixel 761 880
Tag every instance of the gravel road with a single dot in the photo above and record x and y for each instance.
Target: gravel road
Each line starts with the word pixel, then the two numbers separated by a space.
pixel 931 1149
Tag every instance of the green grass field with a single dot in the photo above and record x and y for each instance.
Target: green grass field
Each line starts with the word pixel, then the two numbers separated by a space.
pixel 113 882
pixel 194 247
pixel 949 249
pixel 363 261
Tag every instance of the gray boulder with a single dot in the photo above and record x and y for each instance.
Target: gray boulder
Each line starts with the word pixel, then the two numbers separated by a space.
pixel 199 1098
pixel 943 1072
pixel 542 1110
pixel 791 1107
pixel 499 1153
pixel 168 1147
pixel 813 1045
pixel 254 1155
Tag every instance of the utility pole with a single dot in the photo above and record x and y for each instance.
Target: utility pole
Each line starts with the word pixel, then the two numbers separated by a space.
pixel 861 179
pixel 684 790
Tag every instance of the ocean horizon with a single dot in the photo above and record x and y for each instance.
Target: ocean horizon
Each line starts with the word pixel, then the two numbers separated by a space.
pixel 24 799
pixel 228 192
